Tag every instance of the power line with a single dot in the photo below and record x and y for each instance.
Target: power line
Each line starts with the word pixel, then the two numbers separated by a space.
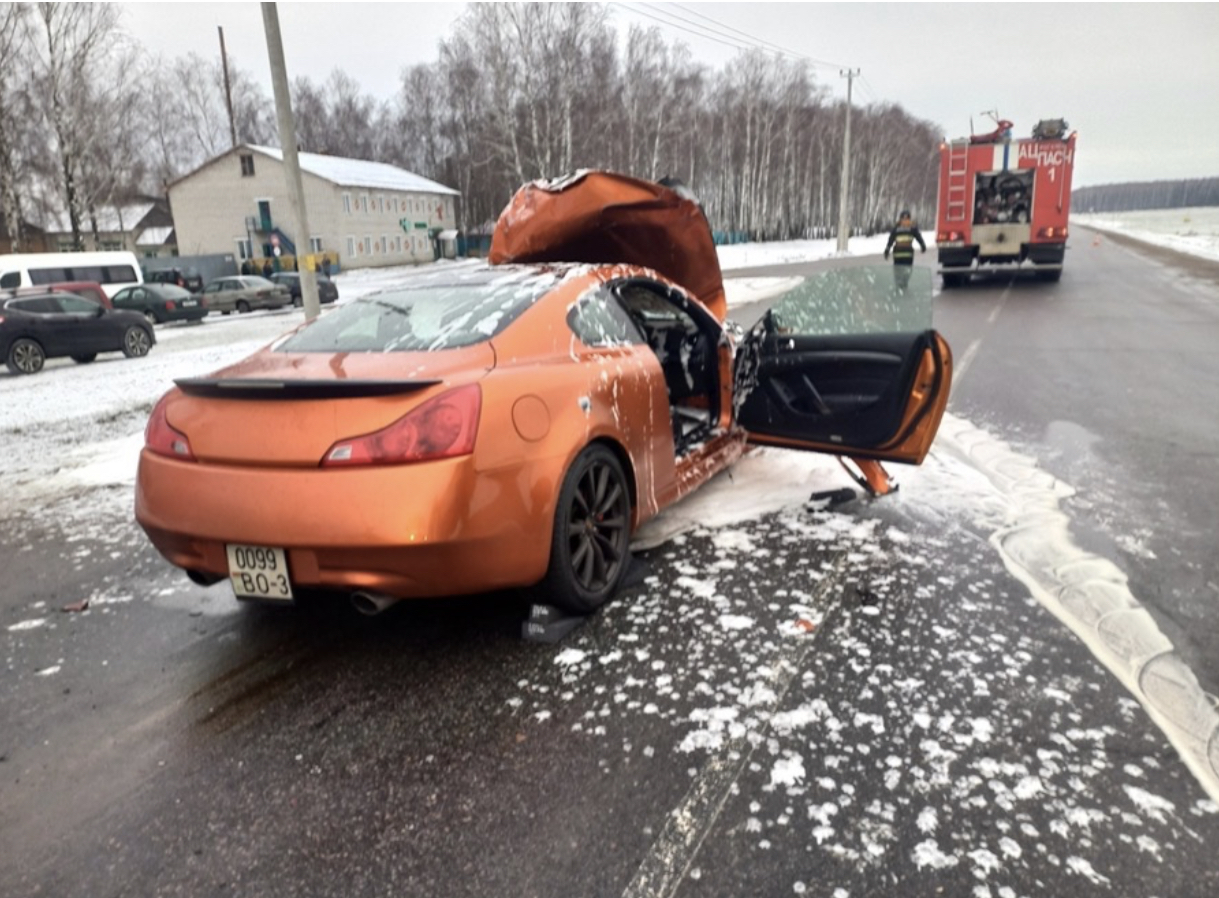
pixel 759 40
pixel 719 40
pixel 746 41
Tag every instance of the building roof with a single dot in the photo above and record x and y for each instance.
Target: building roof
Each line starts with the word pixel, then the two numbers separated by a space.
pixel 154 236
pixel 109 218
pixel 360 173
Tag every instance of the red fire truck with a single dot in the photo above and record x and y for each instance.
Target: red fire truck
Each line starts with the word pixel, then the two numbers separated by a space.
pixel 1004 202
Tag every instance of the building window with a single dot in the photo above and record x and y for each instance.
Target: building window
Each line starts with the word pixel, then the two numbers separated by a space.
pixel 364 203
pixel 367 245
pixel 347 203
pixel 315 244
pixel 381 203
pixel 398 244
pixel 351 247
pixel 395 202
pixel 244 251
pixel 247 165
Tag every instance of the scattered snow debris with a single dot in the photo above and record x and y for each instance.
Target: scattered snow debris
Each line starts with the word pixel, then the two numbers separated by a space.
pixel 50 671
pixel 1028 787
pixel 27 624
pixel 569 657
pixel 736 622
pixel 928 854
pixel 985 862
pixel 1010 848
pixel 1150 846
pixel 1152 806
pixel 1207 806
pixel 927 821
pixel 542 716
pixel 799 888
pixel 1082 868
pixel 841 893
pixel 982 891
pixel 787 771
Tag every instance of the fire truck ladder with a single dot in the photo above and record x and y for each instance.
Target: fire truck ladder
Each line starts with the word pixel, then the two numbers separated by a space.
pixel 958 182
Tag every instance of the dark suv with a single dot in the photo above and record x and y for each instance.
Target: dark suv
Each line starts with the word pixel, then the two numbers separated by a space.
pixel 327 292
pixel 36 327
pixel 186 278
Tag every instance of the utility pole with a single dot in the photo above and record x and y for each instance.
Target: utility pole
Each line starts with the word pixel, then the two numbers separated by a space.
pixel 844 225
pixel 287 140
pixel 228 89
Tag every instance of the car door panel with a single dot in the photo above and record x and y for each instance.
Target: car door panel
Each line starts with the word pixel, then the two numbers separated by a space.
pixel 877 396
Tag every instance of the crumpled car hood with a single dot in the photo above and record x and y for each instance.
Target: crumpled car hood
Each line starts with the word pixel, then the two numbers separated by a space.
pixel 602 217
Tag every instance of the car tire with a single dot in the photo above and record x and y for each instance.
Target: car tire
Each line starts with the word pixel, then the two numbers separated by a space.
pixel 136 342
pixel 590 543
pixel 25 356
pixel 84 358
pixel 150 316
pixel 242 306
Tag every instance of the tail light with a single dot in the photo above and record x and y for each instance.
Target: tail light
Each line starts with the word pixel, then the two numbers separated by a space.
pixel 162 439
pixel 946 236
pixel 1053 232
pixel 443 427
pixel 169 305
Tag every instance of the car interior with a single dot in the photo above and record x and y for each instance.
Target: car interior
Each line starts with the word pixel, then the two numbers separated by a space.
pixel 688 357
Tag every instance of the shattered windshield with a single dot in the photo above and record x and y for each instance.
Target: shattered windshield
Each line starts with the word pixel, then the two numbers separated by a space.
pixel 427 316
pixel 868 299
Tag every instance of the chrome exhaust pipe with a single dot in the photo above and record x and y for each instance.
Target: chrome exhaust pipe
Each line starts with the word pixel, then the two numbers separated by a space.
pixel 370 603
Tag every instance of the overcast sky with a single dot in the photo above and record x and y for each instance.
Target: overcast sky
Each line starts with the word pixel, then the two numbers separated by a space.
pixel 1138 81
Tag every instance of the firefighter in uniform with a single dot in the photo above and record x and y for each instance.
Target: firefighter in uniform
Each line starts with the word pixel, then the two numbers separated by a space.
pixel 901 244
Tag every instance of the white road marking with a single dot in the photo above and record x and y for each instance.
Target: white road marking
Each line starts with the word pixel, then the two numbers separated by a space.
pixel 959 368
pixel 967 358
pixel 688 825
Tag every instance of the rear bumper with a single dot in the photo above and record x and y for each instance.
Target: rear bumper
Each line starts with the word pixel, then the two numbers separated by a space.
pixel 431 529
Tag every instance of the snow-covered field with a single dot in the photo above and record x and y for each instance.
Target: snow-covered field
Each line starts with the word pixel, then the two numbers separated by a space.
pixel 1193 231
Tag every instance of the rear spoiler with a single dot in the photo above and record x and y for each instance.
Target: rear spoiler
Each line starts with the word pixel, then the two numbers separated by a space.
pixel 247 388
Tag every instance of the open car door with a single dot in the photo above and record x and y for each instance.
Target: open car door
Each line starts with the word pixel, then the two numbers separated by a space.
pixel 847 363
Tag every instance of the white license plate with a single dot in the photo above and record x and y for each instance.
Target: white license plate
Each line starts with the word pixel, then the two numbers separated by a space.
pixel 258 572
pixel 189 303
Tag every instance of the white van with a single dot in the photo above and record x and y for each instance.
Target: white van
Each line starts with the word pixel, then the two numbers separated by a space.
pixel 113 270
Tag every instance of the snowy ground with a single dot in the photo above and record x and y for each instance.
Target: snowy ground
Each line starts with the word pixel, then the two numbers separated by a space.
pixel 71 437
pixel 1192 231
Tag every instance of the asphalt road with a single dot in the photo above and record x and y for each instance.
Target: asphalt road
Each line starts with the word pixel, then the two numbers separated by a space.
pixel 861 701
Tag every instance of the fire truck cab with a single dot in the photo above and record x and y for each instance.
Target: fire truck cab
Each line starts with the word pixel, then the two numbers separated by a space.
pixel 1004 202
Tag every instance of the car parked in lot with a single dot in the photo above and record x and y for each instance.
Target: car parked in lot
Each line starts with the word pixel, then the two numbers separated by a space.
pixel 186 278
pixel 327 292
pixel 34 328
pixel 245 293
pixel 160 303
pixel 510 424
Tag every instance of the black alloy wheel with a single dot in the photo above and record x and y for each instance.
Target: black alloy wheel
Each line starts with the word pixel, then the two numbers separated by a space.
pixel 242 306
pixel 25 356
pixel 136 342
pixel 589 552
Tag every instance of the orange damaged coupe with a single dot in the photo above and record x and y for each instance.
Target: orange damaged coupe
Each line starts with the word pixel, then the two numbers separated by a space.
pixel 510 424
